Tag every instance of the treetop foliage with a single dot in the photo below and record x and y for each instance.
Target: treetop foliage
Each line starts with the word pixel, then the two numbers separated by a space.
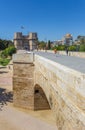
pixel 5 43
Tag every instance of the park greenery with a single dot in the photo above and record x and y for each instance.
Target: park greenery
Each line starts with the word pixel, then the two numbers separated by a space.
pixel 5 43
pixel 6 50
pixel 79 48
pixel 4 61
pixel 75 47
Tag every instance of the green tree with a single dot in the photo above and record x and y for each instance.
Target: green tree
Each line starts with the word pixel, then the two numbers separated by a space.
pixel 2 46
pixel 41 44
pixel 5 43
pixel 8 51
pixel 72 48
pixel 82 47
pixel 49 45
pixel 61 47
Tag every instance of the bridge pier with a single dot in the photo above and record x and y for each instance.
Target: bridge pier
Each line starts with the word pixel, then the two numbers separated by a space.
pixel 26 94
pixel 23 80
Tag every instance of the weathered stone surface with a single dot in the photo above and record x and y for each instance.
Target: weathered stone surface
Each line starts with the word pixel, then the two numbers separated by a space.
pixel 23 92
pixel 70 53
pixel 23 81
pixel 43 83
pixel 23 70
pixel 40 100
pixel 26 94
pixel 23 57
pixel 65 91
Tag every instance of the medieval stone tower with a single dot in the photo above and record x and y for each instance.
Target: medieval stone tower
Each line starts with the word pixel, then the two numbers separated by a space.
pixel 28 42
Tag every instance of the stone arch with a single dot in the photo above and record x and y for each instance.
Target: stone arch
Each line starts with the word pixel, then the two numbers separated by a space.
pixel 40 100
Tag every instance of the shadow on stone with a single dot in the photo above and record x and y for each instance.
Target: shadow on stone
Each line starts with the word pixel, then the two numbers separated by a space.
pixel 2 67
pixel 5 97
pixel 1 72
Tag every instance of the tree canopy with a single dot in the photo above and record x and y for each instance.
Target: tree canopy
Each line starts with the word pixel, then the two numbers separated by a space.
pixel 5 43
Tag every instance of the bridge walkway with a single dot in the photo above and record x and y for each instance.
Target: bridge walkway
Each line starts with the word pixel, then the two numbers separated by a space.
pixel 72 62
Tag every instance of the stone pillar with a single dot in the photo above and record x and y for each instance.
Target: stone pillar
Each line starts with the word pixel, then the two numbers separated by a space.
pixel 23 80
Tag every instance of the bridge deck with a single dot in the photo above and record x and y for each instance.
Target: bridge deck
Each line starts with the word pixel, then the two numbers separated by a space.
pixel 75 63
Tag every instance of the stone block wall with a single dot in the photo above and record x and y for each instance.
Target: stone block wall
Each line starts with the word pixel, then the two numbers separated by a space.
pixel 65 91
pixel 70 53
pixel 40 100
pixel 23 80
pixel 23 83
pixel 26 94
pixel 39 83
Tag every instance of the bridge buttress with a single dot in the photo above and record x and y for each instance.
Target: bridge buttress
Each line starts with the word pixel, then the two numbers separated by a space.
pixel 26 93
pixel 23 80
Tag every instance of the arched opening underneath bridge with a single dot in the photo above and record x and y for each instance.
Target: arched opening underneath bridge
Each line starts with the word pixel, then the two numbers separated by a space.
pixel 42 107
pixel 40 100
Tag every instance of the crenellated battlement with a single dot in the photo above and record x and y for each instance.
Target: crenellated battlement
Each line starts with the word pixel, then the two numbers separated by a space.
pixel 27 42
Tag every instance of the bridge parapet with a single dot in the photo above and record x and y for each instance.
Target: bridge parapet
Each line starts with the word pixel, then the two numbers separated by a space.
pixel 65 91
pixel 63 88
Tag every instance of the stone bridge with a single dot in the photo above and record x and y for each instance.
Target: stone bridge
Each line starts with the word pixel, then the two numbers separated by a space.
pixel 40 83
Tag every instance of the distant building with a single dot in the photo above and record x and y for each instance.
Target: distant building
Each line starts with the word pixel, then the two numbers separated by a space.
pixel 80 37
pixel 76 42
pixel 28 42
pixel 56 43
pixel 68 39
pixel 79 40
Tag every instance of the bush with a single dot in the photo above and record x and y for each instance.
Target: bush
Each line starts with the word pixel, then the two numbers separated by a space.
pixel 11 50
pixel 8 52
pixel 72 48
pixel 2 46
pixel 61 47
pixel 82 47
pixel 4 62
pixel 55 47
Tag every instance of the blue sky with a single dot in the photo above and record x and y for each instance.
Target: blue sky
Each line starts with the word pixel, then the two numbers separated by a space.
pixel 51 19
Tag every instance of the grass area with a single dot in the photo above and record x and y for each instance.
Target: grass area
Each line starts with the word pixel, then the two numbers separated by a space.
pixel 4 61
